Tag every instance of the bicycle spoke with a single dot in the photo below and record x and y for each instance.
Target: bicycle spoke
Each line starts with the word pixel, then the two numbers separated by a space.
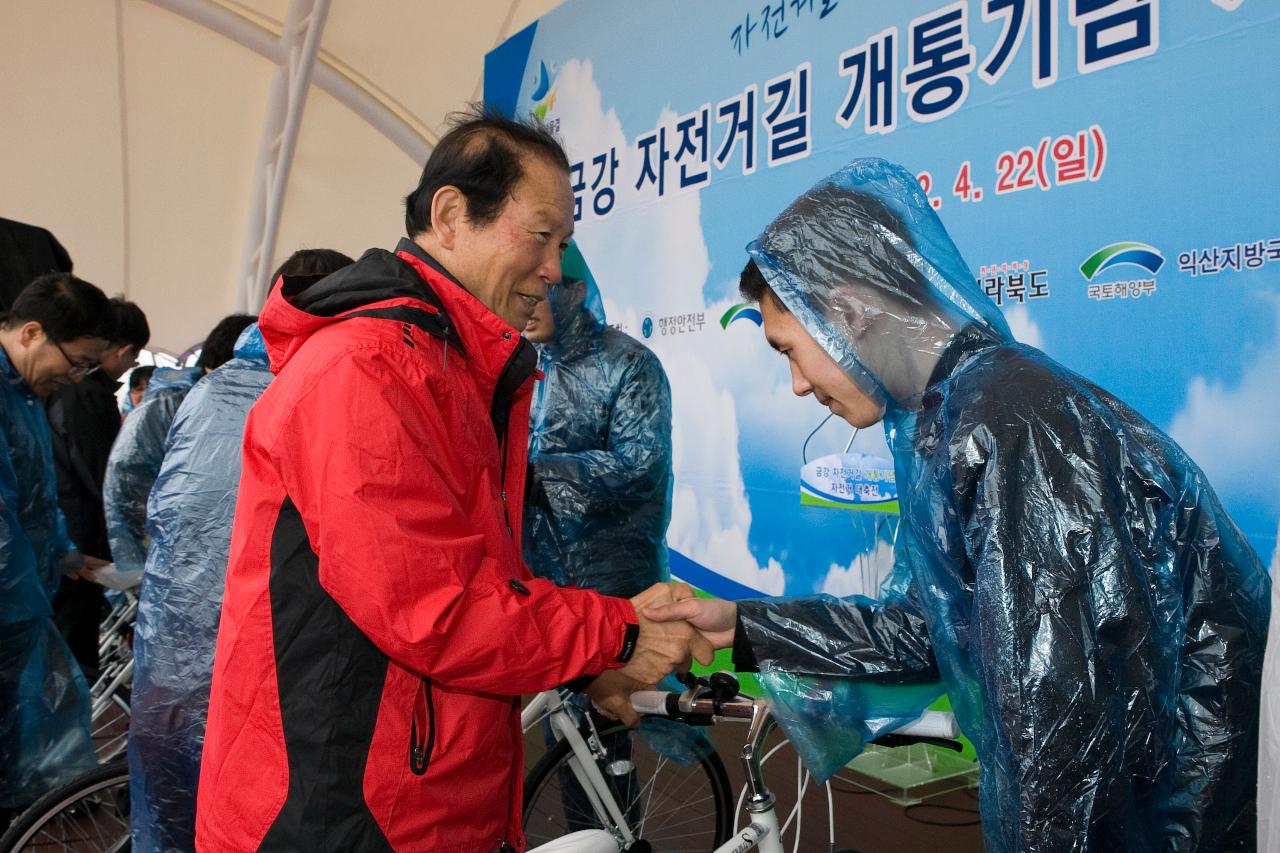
pixel 668 804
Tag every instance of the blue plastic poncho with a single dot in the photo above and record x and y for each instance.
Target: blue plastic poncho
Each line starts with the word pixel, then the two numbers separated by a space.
pixel 189 519
pixel 44 701
pixel 1097 617
pixel 135 461
pixel 598 494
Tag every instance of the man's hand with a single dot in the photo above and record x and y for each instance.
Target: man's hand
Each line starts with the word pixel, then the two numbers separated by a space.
pixel 611 692
pixel 714 618
pixel 662 593
pixel 84 571
pixel 664 646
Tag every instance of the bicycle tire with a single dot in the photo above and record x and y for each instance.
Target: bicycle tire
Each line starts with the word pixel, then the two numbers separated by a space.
pixel 670 821
pixel 109 727
pixel 90 814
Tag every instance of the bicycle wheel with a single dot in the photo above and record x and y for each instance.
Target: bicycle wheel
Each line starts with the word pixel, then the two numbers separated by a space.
pixel 671 806
pixel 109 726
pixel 90 814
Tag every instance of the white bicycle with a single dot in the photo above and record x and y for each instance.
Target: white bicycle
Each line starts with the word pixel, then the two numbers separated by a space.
pixel 110 693
pixel 677 821
pixel 601 775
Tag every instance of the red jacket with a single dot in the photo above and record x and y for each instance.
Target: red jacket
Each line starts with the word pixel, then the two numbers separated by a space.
pixel 378 623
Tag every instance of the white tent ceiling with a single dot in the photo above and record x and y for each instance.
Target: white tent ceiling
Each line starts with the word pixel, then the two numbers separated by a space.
pixel 132 130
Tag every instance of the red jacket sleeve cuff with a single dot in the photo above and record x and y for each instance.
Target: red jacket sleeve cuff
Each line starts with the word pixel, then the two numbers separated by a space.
pixel 625 632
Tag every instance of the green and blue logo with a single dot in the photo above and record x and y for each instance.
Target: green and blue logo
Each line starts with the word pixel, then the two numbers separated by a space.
pixel 741 311
pixel 1137 254
pixel 646 328
pixel 544 95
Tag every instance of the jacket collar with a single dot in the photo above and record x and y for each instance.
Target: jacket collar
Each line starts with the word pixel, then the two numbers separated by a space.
pixel 11 377
pixel 490 343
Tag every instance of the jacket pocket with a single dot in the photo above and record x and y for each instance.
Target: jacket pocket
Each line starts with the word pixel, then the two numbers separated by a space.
pixel 422 729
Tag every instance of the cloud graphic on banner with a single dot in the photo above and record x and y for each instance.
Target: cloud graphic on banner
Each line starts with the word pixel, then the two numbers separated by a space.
pixel 709 523
pixel 1228 5
pixel 1275 557
pixel 861 577
pixel 1024 329
pixel 1230 430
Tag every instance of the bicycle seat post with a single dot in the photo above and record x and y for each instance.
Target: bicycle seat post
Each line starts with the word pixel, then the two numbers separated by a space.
pixel 761 798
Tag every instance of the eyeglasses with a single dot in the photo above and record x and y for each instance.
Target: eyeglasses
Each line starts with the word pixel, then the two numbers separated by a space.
pixel 79 370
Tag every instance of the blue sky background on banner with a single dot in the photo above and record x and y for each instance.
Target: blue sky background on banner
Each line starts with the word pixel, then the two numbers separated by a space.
pixel 1190 166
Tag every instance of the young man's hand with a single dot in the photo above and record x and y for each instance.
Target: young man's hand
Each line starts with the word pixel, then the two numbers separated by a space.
pixel 714 618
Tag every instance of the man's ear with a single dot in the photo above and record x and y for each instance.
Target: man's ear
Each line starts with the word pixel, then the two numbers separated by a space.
pixel 851 310
pixel 448 211
pixel 30 333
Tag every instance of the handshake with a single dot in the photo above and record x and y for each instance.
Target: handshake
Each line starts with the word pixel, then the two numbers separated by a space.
pixel 675 629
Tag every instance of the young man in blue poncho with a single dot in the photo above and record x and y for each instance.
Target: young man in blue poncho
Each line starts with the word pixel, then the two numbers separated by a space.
pixel 1095 615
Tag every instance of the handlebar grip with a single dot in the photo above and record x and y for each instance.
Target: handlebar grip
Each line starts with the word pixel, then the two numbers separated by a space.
pixel 932 724
pixel 657 703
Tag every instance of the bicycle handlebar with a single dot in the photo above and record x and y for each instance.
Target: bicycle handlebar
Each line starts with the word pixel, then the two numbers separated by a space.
pixel 931 725
pixel 708 700
pixel 656 703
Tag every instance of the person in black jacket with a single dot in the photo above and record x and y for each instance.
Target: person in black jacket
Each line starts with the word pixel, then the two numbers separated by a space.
pixel 84 418
pixel 27 252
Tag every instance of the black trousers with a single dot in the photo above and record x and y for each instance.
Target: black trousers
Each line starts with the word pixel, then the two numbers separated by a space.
pixel 77 611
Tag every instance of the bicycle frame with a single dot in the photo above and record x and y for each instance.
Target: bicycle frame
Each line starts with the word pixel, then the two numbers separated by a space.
pixel 708 702
pixel 763 831
pixel 550 705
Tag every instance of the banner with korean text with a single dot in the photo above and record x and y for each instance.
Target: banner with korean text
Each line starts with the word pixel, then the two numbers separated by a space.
pixel 1109 168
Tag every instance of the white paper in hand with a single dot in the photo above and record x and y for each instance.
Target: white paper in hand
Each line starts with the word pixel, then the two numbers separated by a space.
pixel 112 578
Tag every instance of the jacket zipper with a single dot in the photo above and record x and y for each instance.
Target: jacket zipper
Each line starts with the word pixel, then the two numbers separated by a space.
pixel 502 425
pixel 502 483
pixel 422 729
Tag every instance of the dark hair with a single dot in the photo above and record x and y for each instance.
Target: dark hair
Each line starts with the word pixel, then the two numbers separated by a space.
pixel 139 375
pixel 482 155
pixel 753 287
pixel 66 308
pixel 129 324
pixel 312 262
pixel 220 345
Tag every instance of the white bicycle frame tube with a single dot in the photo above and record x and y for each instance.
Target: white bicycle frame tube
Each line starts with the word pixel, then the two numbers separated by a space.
pixel 537 707
pixel 583 763
pixel 762 834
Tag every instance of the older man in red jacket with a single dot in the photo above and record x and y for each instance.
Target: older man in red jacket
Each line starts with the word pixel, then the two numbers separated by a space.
pixel 379 624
